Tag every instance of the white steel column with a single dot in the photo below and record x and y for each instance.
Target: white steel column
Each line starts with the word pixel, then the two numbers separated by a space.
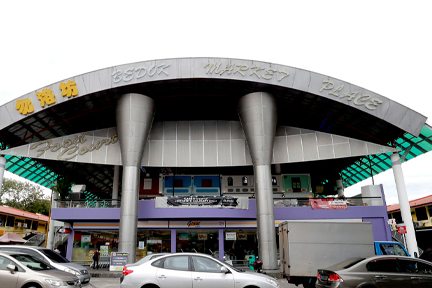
pixel 2 169
pixel 134 119
pixel 51 227
pixel 258 116
pixel 340 189
pixel 115 184
pixel 404 204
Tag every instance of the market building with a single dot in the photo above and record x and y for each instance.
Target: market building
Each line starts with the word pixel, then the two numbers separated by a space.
pixel 208 154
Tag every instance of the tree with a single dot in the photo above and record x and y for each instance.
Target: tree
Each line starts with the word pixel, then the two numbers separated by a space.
pixel 24 196
pixel 63 186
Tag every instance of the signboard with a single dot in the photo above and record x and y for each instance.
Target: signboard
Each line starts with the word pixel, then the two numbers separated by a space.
pixel 242 235
pixel 328 204
pixel 202 202
pixel 202 236
pixel 118 261
pixel 230 236
pixel 85 238
pixel 401 228
pixel 391 221
pixel 141 245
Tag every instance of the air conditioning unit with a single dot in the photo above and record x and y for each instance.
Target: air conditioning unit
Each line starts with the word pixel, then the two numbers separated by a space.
pixel 418 224
pixel 25 225
pixel 19 224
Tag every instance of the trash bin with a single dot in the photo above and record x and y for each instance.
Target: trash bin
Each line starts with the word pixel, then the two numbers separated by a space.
pixel 251 261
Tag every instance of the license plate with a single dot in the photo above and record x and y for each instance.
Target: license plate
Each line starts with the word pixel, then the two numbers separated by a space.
pixel 324 277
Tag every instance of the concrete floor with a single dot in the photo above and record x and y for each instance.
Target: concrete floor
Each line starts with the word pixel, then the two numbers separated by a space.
pixel 115 283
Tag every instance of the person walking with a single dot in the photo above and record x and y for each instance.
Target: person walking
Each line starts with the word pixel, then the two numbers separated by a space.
pixel 96 258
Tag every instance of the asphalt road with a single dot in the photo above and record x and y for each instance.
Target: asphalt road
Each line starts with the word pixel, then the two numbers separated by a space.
pixel 115 283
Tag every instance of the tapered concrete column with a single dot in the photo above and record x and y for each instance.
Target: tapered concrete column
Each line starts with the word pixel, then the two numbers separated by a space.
pixel 115 184
pixel 404 204
pixel 2 169
pixel 258 115
pixel 134 119
pixel 51 227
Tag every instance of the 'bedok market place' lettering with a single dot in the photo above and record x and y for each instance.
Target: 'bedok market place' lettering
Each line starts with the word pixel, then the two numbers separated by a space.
pixel 72 148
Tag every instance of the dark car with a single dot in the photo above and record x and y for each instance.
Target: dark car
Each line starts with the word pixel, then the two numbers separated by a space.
pixel 427 255
pixel 377 271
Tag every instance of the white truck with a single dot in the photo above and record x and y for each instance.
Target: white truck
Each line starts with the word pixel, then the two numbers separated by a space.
pixel 305 247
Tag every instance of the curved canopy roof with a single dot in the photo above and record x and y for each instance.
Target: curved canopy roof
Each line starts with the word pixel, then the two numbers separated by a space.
pixel 190 89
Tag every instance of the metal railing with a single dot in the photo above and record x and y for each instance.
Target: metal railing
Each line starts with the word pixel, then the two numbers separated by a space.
pixel 88 204
pixel 278 202
pixel 303 202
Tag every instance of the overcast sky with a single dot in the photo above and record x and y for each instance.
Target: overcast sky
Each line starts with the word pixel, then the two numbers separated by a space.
pixel 383 46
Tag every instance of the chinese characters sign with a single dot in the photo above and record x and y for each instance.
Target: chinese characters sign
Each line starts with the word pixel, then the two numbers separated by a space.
pixel 46 97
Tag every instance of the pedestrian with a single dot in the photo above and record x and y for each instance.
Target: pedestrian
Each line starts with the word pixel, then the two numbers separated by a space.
pixel 96 257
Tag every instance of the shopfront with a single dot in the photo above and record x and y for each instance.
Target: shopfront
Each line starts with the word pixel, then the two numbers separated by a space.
pixel 234 239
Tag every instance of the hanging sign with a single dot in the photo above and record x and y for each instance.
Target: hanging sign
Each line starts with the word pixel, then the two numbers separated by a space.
pixel 230 236
pixel 401 228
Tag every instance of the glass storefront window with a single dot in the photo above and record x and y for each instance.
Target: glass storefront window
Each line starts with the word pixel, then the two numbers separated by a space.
pixel 239 244
pixel 201 241
pixel 86 242
pixel 153 241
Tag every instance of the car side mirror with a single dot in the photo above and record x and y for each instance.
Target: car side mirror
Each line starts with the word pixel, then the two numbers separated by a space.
pixel 12 268
pixel 224 270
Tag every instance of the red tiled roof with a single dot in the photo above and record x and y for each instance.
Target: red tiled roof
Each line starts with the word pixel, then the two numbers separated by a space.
pixel 413 203
pixel 21 213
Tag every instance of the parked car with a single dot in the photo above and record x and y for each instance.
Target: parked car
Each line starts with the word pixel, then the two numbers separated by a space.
pixel 148 258
pixel 191 269
pixel 19 270
pixel 427 255
pixel 52 258
pixel 377 271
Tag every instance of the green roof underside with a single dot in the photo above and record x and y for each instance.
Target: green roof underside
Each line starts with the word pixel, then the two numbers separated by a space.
pixel 30 170
pixel 368 166
pixel 360 170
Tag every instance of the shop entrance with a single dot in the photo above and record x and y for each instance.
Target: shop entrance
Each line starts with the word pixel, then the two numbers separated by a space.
pixel 201 241
pixel 153 241
pixel 239 244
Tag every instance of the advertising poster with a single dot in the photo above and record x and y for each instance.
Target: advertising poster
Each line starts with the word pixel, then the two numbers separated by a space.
pixel 202 236
pixel 85 238
pixel 230 236
pixel 328 204
pixel 103 251
pixel 118 261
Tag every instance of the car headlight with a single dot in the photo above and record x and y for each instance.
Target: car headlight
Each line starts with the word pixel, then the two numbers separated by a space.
pixel 56 283
pixel 272 282
pixel 72 271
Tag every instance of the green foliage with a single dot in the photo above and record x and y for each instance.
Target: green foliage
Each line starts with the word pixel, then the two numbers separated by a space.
pixel 63 186
pixel 24 196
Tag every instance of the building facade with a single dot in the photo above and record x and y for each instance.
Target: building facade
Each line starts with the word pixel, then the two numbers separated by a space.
pixel 249 143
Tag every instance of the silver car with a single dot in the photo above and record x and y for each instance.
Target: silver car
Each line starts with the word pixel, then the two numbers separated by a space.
pixel 19 270
pixel 187 270
pixel 53 258
pixel 377 271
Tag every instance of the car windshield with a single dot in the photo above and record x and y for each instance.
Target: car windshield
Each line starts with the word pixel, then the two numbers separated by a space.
pixel 53 256
pixel 392 249
pixel 32 262
pixel 148 257
pixel 233 268
pixel 346 263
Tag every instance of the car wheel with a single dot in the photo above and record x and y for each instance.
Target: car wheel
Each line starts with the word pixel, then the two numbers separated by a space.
pixel 32 286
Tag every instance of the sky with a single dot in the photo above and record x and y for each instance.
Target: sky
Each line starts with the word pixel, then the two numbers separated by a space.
pixel 383 46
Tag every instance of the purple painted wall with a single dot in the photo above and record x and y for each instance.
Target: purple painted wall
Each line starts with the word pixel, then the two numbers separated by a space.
pixel 147 211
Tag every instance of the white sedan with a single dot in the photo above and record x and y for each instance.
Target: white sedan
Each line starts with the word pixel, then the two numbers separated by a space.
pixel 191 270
